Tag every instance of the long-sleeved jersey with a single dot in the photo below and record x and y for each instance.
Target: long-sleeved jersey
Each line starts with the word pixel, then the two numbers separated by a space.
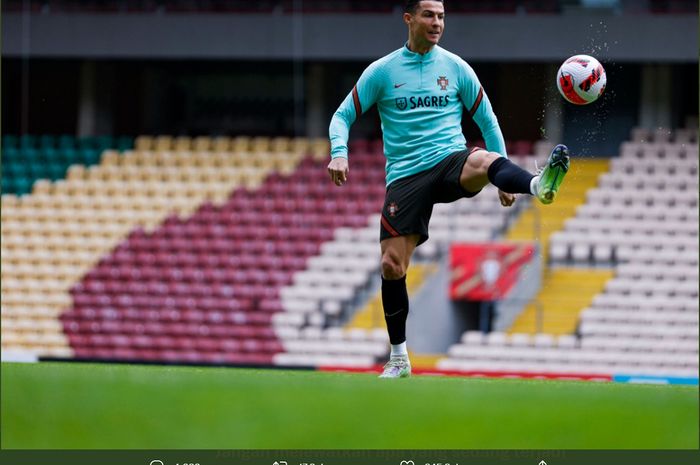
pixel 420 99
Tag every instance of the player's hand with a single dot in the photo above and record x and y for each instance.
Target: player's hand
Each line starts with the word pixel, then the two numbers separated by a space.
pixel 338 170
pixel 506 199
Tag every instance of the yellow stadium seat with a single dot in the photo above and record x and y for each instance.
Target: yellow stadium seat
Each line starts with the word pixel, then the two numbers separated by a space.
pixel 111 174
pixel 9 212
pixel 260 144
pixel 76 172
pixel 112 188
pixel 163 158
pixel 184 159
pixel 228 159
pixel 231 176
pixel 95 173
pixel 130 158
pixel 33 340
pixel 110 157
pixel 245 159
pixel 222 144
pixel 76 189
pixel 152 178
pixel 241 144
pixel 12 339
pixel 144 143
pixel 281 144
pixel 81 191
pixel 63 273
pixel 117 203
pixel 286 168
pixel 201 158
pixel 202 144
pixel 59 351
pixel 266 163
pixel 41 186
pixel 62 300
pixel 141 158
pixel 37 201
pixel 320 149
pixel 300 145
pixel 183 143
pixel 10 200
pixel 220 159
pixel 163 143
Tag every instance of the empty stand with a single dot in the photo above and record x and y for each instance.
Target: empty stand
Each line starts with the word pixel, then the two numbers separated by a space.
pixel 641 222
pixel 56 235
pixel 27 158
pixel 222 273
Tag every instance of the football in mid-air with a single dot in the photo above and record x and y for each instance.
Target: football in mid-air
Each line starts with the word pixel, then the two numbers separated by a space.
pixel 581 79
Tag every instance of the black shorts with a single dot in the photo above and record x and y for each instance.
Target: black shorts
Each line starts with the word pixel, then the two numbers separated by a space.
pixel 409 201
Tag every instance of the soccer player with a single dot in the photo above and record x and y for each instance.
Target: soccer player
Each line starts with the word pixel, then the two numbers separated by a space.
pixel 421 91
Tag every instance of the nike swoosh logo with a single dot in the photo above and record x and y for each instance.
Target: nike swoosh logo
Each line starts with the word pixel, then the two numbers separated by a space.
pixel 396 86
pixel 392 314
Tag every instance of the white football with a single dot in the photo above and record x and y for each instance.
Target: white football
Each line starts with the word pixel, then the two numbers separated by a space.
pixel 581 79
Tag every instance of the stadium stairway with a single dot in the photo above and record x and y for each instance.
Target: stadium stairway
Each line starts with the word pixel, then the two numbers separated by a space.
pixel 559 307
pixel 371 316
pixel 565 292
pixel 540 221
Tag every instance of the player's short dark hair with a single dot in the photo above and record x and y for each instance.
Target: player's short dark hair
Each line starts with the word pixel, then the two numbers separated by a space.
pixel 411 5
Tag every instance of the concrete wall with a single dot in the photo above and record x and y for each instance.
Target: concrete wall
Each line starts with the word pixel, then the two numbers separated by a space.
pixel 435 322
pixel 281 36
pixel 528 284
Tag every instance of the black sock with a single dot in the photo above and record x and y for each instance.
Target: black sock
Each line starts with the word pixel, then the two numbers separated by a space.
pixel 395 302
pixel 509 177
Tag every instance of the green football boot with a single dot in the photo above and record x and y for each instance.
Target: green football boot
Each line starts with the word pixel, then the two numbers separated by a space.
pixel 397 367
pixel 553 174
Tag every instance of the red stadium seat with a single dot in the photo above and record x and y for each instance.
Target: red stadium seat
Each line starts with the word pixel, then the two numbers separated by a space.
pixel 205 288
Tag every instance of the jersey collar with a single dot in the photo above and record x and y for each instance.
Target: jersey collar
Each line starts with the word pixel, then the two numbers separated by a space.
pixel 417 57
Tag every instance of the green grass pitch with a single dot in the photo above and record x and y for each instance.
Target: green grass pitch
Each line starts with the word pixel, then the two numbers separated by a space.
pixel 63 406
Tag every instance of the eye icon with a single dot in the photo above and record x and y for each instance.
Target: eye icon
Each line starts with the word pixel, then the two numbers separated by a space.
pixel 156 462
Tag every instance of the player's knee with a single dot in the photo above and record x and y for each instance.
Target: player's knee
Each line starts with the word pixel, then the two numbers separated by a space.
pixel 478 164
pixel 486 160
pixel 392 267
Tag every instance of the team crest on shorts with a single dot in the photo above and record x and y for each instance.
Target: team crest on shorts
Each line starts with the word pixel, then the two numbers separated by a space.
pixel 392 208
pixel 401 103
pixel 443 82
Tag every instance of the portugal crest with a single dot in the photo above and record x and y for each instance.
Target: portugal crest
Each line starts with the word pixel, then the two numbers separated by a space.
pixel 401 103
pixel 443 82
pixel 392 208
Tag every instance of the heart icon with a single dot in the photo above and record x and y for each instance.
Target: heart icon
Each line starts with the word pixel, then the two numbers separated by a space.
pixel 407 462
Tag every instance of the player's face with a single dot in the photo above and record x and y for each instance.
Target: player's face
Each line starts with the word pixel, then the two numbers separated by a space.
pixel 427 24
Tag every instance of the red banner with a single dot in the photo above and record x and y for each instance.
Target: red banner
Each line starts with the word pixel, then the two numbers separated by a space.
pixel 486 271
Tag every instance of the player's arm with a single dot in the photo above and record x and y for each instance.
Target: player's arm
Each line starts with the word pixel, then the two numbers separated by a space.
pixel 360 99
pixel 479 108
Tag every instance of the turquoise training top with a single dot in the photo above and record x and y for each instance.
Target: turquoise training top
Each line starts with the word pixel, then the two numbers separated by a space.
pixel 420 99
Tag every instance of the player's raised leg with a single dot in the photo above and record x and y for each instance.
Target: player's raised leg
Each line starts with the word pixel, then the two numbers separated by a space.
pixel 483 167
pixel 396 256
